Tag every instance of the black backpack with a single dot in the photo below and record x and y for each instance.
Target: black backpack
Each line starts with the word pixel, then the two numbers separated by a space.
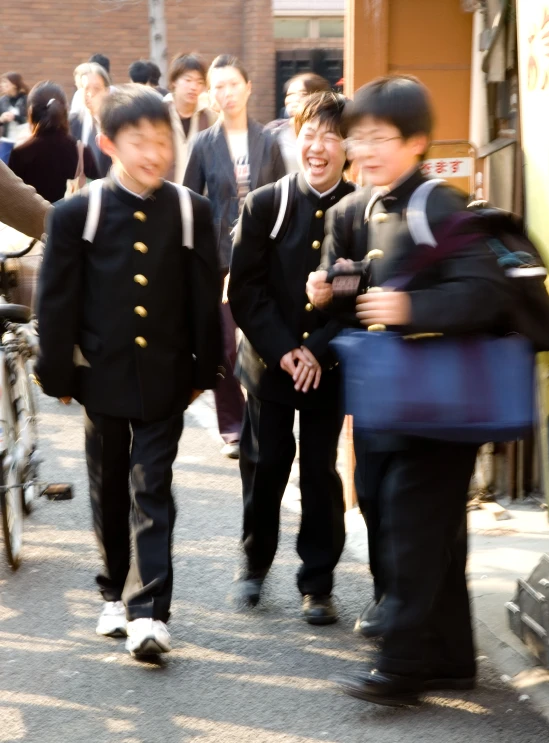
pixel 517 256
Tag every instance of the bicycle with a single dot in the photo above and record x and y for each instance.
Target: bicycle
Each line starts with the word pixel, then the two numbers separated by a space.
pixel 19 457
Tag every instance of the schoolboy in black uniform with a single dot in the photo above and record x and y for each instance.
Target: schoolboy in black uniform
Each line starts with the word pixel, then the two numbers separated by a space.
pixel 129 327
pixel 415 490
pixel 285 365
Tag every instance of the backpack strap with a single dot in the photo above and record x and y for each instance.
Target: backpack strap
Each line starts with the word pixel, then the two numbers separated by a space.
pixel 187 215
pixel 94 210
pixel 416 213
pixel 283 203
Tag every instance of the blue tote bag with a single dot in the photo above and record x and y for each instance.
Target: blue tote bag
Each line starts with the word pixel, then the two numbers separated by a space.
pixel 467 389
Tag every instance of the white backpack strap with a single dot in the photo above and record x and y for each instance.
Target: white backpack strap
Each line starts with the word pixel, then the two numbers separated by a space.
pixel 187 216
pixel 416 213
pixel 374 197
pixel 94 210
pixel 284 185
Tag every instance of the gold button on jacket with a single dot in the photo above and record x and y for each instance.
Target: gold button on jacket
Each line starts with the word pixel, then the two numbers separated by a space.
pixel 309 307
pixel 305 336
pixel 141 311
pixel 141 247
pixel 316 245
pixel 140 279
pixel 140 216
pixel 319 214
pixel 141 342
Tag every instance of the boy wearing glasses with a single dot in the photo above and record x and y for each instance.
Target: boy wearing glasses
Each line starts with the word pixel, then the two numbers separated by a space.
pixel 285 364
pixel 414 490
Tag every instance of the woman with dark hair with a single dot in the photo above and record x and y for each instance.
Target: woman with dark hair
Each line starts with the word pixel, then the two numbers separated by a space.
pixel 51 156
pixel 227 161
pixel 297 89
pixel 13 104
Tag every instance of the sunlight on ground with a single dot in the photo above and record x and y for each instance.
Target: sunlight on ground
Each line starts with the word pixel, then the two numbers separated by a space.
pixel 12 727
pixel 214 731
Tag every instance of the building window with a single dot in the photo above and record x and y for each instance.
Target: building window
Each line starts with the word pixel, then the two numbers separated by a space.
pixel 292 28
pixel 332 28
pixel 298 27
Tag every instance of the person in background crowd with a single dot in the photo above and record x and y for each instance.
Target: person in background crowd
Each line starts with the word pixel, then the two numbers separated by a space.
pixel 85 127
pixel 101 60
pixel 155 73
pixel 414 490
pixel 13 105
pixel 51 155
pixel 139 72
pixel 187 78
pixel 20 206
pixel 146 319
pixel 77 103
pixel 227 161
pixel 297 89
pixel 285 364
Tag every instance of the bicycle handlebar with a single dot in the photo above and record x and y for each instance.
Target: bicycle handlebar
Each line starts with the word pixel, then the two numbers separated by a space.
pixel 19 254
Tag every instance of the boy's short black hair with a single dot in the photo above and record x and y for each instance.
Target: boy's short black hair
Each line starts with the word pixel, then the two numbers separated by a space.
pixel 326 108
pixel 155 73
pixel 102 60
pixel 229 60
pixel 184 63
pixel 400 100
pixel 139 72
pixel 127 105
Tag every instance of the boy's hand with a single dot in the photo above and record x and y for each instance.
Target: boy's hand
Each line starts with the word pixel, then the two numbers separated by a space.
pixel 65 400
pixel 309 374
pixel 290 361
pixel 384 308
pixel 318 290
pixel 194 395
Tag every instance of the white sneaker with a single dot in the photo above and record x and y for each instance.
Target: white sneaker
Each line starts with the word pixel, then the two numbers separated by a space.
pixel 112 622
pixel 148 637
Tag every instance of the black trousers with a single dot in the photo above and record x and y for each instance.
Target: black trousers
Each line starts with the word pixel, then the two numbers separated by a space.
pixel 130 474
pixel 415 505
pixel 267 450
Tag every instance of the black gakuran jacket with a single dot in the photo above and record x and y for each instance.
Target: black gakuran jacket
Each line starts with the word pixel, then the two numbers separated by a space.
pixel 129 324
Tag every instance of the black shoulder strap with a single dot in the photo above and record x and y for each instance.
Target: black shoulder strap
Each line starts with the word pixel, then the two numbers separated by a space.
pixel 284 198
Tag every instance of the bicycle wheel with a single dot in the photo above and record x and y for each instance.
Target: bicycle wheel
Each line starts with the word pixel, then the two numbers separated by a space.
pixel 11 504
pixel 27 429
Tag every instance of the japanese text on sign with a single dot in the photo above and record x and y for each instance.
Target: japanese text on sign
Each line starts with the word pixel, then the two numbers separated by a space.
pixel 448 167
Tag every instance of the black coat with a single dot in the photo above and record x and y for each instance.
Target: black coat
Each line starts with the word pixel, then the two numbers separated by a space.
pixel 466 292
pixel 88 297
pixel 47 160
pixel 268 299
pixel 210 170
pixel 102 160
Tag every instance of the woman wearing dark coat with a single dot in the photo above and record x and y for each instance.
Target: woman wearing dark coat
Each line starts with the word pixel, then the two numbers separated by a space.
pixel 50 156
pixel 13 103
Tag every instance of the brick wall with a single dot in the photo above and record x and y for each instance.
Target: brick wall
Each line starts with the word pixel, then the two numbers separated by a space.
pixel 47 39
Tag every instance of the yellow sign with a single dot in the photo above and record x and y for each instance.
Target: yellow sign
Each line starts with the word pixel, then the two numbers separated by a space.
pixel 533 40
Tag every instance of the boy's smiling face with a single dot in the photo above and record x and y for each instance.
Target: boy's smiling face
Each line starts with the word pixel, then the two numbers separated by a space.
pixel 380 151
pixel 320 154
pixel 142 154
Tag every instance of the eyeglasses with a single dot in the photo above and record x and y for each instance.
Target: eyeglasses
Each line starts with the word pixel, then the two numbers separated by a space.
pixel 353 145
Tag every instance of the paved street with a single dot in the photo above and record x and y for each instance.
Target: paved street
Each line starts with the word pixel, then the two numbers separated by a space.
pixel 233 677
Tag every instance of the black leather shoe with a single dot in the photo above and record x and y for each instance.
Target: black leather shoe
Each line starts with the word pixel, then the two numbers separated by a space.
pixel 383 688
pixel 247 591
pixel 319 610
pixel 371 620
